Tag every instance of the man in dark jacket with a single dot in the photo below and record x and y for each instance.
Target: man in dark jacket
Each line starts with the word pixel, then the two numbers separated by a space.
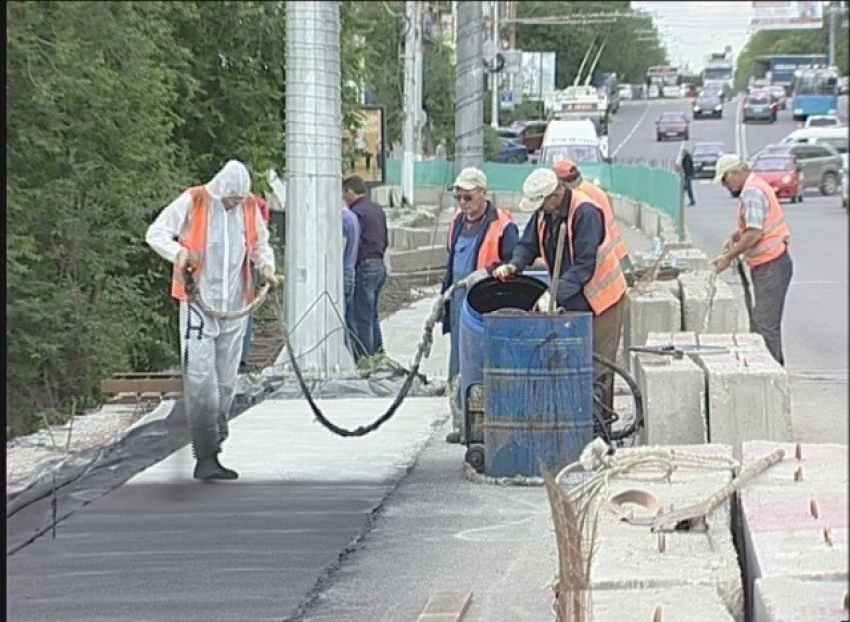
pixel 687 165
pixel 370 272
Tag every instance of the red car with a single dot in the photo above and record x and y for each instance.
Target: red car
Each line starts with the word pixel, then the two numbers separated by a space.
pixel 783 173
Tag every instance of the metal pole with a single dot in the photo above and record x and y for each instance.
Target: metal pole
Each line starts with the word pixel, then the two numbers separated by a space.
pixel 469 88
pixel 408 138
pixel 832 10
pixel 314 301
pixel 417 77
pixel 494 77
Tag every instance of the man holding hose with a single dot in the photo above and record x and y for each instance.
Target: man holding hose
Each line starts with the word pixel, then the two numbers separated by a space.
pixel 590 277
pixel 212 234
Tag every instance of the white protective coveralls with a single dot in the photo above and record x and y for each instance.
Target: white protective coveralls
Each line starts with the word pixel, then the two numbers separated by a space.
pixel 210 347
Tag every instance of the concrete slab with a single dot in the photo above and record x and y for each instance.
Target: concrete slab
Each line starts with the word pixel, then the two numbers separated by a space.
pixel 631 557
pixel 702 313
pixel 657 310
pixel 674 398
pixel 785 599
pixel 680 603
pixel 433 256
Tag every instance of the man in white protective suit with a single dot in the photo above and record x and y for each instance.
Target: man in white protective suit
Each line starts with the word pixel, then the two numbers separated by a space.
pixel 212 234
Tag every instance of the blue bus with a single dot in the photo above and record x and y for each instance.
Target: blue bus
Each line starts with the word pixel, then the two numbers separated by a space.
pixel 814 91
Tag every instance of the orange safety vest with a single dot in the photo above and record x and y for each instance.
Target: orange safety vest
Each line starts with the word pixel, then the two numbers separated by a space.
pixel 599 196
pixel 489 253
pixel 776 233
pixel 195 240
pixel 608 284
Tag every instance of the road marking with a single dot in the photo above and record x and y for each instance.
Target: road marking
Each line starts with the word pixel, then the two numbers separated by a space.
pixel 634 129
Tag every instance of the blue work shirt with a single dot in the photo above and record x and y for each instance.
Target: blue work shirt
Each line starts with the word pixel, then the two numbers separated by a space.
pixel 351 233
pixel 587 234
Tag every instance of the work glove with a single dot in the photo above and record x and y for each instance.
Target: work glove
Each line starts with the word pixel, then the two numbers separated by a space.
pixel 476 277
pixel 267 277
pixel 542 304
pixel 505 272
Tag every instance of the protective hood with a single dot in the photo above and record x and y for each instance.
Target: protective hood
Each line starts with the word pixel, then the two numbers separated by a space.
pixel 231 181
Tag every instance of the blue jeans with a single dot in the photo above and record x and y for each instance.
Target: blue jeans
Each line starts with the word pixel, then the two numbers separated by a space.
pixel 687 182
pixel 348 296
pixel 369 280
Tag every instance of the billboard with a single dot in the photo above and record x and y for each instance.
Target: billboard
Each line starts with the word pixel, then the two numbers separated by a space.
pixel 537 74
pixel 787 15
pixel 364 153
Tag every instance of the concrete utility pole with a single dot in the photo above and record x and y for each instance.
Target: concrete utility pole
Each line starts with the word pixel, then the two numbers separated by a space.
pixel 469 89
pixel 314 301
pixel 411 106
pixel 494 77
pixel 418 57
pixel 832 11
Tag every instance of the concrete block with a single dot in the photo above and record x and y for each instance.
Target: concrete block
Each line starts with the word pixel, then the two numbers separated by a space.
pixel 418 259
pixel 673 400
pixel 630 556
pixel 691 259
pixel 676 604
pixel 748 396
pixel 649 221
pixel 656 310
pixel 431 195
pixel 794 521
pixel 410 238
pixel 721 310
pixel 783 599
pixel 673 393
pixel 625 209
pixel 506 200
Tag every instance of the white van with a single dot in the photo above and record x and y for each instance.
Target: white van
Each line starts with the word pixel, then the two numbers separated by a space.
pixel 576 140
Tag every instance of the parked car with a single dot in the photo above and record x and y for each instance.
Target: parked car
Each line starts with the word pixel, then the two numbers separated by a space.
pixel 779 95
pixel 531 133
pixel 705 156
pixel 759 107
pixel 783 173
pixel 821 164
pixel 511 152
pixel 708 105
pixel 822 120
pixel 672 125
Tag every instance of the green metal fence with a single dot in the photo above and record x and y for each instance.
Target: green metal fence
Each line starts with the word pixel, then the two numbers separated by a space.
pixel 655 187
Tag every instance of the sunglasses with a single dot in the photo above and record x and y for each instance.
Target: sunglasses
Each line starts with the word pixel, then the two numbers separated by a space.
pixel 464 198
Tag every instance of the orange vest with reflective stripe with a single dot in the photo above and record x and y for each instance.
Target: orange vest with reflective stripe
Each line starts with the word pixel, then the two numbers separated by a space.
pixel 488 254
pixel 608 283
pixel 776 233
pixel 600 197
pixel 195 240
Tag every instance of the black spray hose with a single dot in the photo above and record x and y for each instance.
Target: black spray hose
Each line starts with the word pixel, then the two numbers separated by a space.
pixel 633 427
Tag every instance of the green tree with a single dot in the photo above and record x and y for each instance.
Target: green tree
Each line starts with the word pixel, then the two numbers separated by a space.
pixel 88 151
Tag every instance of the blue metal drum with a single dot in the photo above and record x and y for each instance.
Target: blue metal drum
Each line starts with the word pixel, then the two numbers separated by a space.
pixel 487 296
pixel 538 391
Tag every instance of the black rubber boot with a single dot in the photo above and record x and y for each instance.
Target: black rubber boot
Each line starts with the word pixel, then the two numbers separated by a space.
pixel 453 437
pixel 210 468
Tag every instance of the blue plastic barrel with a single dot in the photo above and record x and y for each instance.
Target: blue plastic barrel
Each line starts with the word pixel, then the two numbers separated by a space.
pixel 538 391
pixel 486 296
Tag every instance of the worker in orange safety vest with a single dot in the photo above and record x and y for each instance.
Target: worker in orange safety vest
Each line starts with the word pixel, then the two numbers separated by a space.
pixel 215 231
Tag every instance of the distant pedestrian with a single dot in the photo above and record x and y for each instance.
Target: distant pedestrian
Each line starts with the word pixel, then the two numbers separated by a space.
pixel 370 271
pixel 687 167
pixel 761 238
pixel 350 247
pixel 212 232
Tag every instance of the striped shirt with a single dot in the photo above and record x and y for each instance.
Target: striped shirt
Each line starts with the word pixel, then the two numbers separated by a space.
pixel 756 206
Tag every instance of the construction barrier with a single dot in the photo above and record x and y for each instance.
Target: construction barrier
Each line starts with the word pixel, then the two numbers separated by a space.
pixel 655 187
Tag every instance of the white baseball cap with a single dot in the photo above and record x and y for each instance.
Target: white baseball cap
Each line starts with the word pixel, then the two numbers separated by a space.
pixel 541 183
pixel 726 163
pixel 470 179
